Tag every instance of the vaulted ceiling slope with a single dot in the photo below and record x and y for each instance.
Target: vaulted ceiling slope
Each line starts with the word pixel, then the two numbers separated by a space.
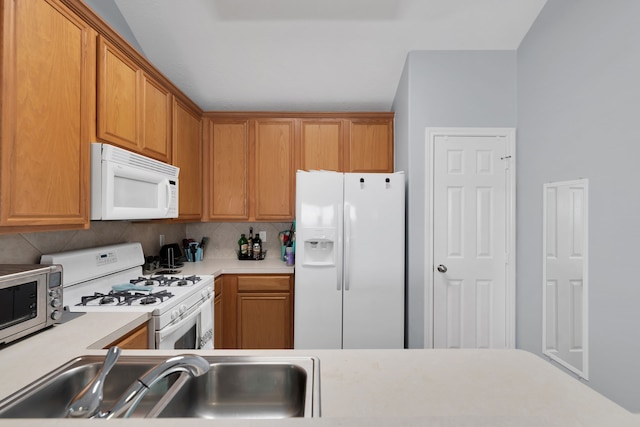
pixel 311 55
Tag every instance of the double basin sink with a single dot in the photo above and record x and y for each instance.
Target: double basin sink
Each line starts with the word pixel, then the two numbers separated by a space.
pixel 234 387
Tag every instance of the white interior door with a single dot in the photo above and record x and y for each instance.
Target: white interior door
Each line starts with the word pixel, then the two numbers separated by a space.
pixel 472 240
pixel 565 320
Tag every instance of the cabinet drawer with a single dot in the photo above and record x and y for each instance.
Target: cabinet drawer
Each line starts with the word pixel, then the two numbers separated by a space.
pixel 262 283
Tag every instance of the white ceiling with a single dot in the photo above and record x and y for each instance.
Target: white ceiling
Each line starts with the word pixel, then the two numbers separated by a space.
pixel 311 55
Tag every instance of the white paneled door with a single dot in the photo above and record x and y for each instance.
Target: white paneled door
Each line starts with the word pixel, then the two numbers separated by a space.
pixel 472 240
pixel 565 320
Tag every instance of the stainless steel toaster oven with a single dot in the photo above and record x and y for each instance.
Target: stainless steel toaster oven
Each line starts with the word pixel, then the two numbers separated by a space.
pixel 30 299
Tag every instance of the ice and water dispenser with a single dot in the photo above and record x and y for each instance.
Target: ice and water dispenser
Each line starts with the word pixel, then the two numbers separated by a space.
pixel 319 247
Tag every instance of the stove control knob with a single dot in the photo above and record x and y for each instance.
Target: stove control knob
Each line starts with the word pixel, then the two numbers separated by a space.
pixel 175 314
pixel 183 309
pixel 56 315
pixel 206 293
pixel 56 303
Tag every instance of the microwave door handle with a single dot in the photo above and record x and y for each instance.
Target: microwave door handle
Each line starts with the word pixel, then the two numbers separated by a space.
pixel 168 195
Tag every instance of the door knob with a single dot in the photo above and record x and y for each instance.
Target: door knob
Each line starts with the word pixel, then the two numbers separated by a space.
pixel 442 268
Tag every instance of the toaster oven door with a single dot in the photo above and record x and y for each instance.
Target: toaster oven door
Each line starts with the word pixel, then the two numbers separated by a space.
pixel 23 306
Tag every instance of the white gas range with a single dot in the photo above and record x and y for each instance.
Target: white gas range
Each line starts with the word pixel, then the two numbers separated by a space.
pixel 110 278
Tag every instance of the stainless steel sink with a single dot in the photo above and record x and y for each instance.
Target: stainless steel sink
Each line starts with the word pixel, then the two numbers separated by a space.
pixel 257 389
pixel 234 387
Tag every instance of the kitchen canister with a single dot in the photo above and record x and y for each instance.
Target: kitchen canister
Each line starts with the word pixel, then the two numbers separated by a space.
pixel 289 256
pixel 194 252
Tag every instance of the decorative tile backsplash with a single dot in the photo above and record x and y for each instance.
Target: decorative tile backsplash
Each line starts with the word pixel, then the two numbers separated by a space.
pixel 223 238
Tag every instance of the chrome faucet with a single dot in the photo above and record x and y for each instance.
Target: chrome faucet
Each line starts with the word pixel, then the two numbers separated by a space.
pixel 87 403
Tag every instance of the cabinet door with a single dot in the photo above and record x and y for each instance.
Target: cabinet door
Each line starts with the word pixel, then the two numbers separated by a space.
pixel 187 155
pixel 370 147
pixel 321 145
pixel 118 97
pixel 274 170
pixel 217 313
pixel 229 311
pixel 48 106
pixel 264 311
pixel 228 160
pixel 264 320
pixel 138 339
pixel 156 120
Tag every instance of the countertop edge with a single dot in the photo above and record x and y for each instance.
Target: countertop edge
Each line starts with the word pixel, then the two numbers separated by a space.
pixel 218 266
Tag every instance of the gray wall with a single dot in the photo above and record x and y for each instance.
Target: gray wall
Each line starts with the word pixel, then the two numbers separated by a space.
pixel 109 11
pixel 578 103
pixel 442 89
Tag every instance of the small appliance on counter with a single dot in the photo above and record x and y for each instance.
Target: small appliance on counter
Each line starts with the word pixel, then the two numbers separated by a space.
pixel 30 299
pixel 171 257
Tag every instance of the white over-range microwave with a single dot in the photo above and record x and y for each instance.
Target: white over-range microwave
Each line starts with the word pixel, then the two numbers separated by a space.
pixel 129 186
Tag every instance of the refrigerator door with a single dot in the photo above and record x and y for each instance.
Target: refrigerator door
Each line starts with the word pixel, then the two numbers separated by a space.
pixel 374 234
pixel 318 265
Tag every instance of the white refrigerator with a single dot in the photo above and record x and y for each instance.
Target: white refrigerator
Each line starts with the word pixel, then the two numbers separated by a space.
pixel 349 266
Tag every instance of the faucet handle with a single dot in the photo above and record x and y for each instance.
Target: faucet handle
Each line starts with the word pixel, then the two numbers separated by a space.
pixel 87 403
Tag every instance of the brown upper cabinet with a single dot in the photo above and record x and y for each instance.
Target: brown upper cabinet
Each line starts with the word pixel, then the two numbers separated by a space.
pixel 48 115
pixel 251 158
pixel 350 144
pixel 251 169
pixel 322 144
pixel 370 145
pixel 227 169
pixel 187 155
pixel 69 79
pixel 134 110
pixel 274 175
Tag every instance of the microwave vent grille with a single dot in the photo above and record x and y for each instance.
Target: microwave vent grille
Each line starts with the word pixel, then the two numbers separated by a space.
pixel 128 158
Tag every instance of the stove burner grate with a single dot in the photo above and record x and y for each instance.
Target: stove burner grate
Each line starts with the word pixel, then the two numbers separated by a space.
pixel 162 280
pixel 125 298
pixel 109 298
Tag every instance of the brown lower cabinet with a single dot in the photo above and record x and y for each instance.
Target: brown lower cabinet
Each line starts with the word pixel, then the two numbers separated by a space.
pixel 218 321
pixel 257 311
pixel 137 339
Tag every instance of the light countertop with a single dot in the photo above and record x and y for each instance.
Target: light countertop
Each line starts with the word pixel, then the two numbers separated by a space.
pixel 358 387
pixel 217 266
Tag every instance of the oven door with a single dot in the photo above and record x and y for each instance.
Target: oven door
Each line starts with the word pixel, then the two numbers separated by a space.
pixel 192 331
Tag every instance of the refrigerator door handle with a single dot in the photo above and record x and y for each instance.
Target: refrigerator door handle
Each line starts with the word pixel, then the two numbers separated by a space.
pixel 347 245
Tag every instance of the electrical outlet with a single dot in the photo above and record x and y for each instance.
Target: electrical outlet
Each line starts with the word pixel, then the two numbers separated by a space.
pixel 161 240
pixel 263 236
